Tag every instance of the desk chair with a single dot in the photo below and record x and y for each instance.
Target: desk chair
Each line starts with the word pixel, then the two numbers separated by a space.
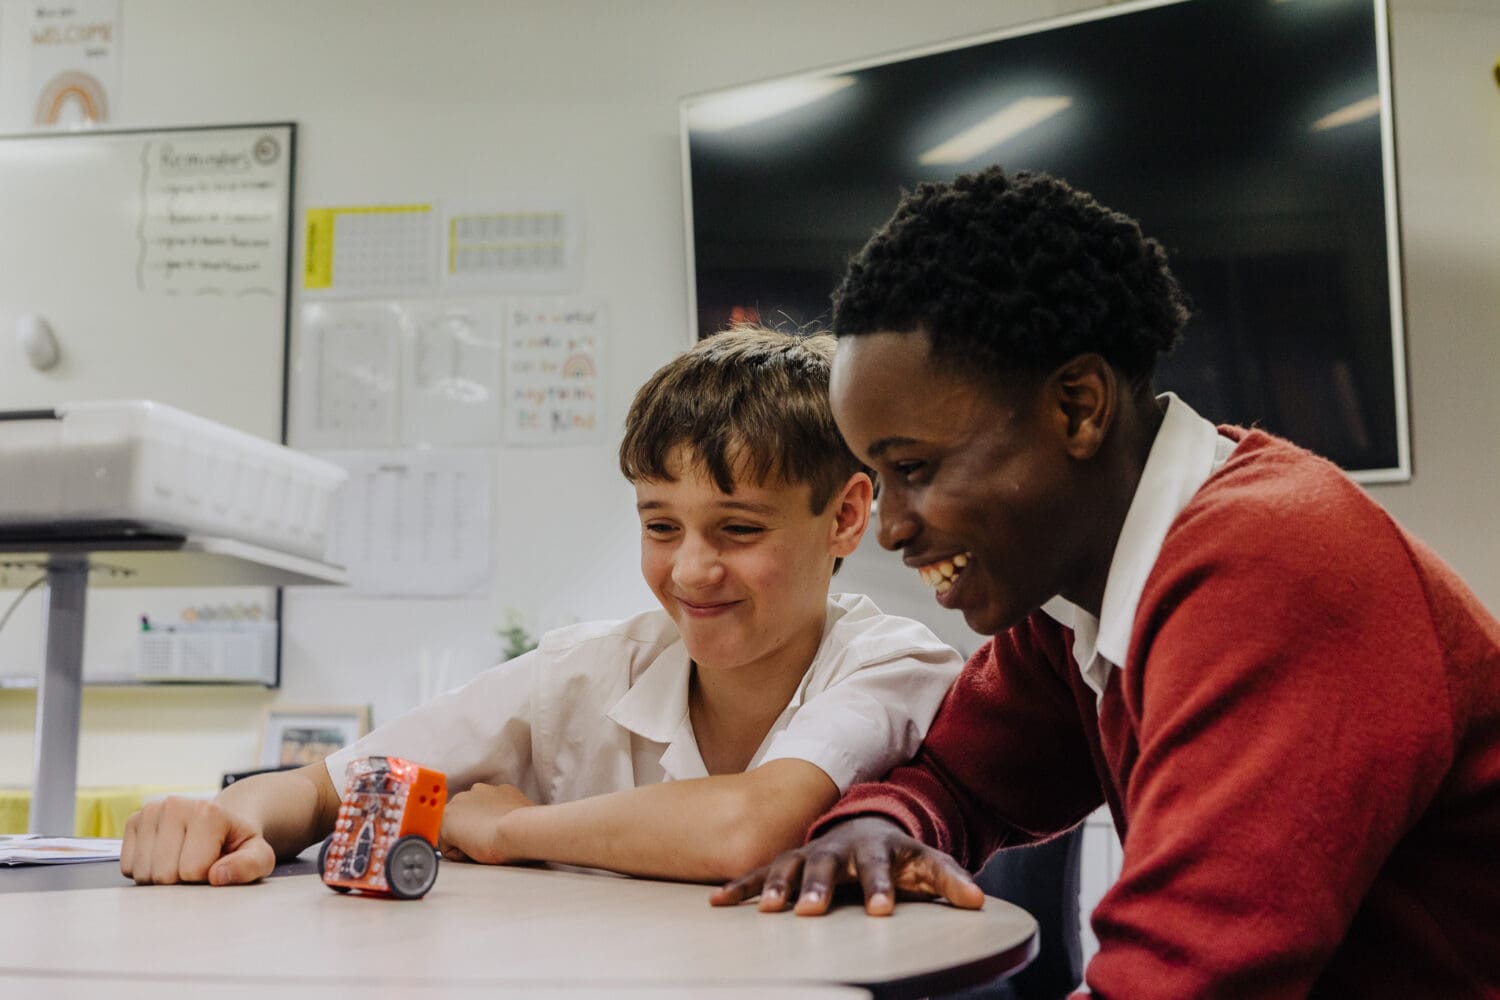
pixel 1044 879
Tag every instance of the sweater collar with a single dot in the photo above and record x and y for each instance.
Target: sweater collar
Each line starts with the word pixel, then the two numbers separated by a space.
pixel 1187 450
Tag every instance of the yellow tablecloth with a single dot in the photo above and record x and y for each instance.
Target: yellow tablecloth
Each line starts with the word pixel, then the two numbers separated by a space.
pixel 101 812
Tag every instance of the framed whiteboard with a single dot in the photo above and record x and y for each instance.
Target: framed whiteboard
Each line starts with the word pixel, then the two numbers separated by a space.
pixel 160 259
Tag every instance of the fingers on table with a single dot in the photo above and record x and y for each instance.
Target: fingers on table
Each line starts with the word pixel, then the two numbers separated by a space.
pixel 250 862
pixel 820 873
pixel 872 863
pixel 140 845
pixel 740 889
pixel 781 875
pixel 933 873
pixel 127 845
pixel 207 833
pixel 166 846
pixel 183 840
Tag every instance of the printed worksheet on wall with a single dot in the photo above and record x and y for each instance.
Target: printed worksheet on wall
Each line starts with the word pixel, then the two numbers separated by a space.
pixel 413 523
pixel 346 375
pixel 451 372
pixel 398 373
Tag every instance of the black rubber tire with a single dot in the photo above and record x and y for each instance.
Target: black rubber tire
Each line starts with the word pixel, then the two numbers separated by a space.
pixel 411 867
pixel 323 865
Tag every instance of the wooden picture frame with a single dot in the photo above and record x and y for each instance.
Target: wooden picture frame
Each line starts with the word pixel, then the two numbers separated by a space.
pixel 305 734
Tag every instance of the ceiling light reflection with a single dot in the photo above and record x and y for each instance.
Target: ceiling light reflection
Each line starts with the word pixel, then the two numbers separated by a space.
pixel 1009 121
pixel 1349 114
pixel 721 112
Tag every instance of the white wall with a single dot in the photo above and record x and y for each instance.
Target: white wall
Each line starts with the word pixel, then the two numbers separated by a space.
pixel 1448 161
pixel 399 101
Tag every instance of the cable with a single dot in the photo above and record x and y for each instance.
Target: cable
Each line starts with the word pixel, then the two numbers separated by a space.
pixel 20 597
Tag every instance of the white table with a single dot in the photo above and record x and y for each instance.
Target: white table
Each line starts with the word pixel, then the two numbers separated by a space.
pixel 510 930
pixel 153 988
pixel 116 558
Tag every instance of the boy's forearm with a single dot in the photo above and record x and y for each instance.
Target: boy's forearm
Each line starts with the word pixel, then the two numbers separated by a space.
pixel 292 808
pixel 702 830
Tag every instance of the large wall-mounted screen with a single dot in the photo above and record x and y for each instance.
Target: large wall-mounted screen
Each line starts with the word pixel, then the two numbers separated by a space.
pixel 1252 137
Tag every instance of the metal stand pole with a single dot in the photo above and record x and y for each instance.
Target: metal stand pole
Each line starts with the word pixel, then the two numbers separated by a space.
pixel 59 700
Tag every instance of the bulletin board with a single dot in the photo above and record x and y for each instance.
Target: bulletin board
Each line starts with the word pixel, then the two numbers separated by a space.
pixel 160 260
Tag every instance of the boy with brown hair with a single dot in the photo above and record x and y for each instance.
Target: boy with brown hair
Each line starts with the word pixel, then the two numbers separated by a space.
pixel 688 742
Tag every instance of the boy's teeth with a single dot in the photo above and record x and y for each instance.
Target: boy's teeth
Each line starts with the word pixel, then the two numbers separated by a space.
pixel 941 575
pixel 945 586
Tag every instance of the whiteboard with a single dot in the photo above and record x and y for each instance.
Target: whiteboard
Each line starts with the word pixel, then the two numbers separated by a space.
pixel 160 259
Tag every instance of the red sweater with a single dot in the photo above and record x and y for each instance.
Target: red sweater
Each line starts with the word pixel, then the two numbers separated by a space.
pixel 1301 754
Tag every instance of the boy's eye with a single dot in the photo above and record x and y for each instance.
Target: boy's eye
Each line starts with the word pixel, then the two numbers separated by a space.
pixel 909 469
pixel 659 528
pixel 743 529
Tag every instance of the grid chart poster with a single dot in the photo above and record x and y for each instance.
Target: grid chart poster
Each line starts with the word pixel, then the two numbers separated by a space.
pixel 527 249
pixel 554 353
pixel 370 250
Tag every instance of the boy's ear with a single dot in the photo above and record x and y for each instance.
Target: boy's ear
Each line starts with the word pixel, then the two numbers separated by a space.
pixel 851 514
pixel 1085 393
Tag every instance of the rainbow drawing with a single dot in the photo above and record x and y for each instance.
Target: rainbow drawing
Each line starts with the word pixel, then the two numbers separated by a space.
pixel 580 366
pixel 72 87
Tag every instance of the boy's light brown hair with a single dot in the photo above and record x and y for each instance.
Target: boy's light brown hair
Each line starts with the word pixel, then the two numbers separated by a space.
pixel 750 401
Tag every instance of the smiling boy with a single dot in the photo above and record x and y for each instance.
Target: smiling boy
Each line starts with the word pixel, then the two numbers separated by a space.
pixel 687 742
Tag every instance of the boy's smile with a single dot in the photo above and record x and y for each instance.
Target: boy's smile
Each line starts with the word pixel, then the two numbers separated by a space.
pixel 707 609
pixel 942 574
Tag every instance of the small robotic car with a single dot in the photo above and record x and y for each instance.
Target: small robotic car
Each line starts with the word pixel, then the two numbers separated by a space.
pixel 385 840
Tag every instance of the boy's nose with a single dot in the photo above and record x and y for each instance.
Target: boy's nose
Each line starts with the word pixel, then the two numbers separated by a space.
pixel 897 525
pixel 697 565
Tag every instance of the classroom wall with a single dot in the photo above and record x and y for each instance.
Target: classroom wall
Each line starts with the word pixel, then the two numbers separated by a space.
pixel 398 101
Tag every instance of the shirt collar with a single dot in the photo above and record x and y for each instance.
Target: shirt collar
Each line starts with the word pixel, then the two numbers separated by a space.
pixel 1186 452
pixel 656 706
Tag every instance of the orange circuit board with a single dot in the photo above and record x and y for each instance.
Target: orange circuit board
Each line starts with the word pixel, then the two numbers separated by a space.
pixel 385 839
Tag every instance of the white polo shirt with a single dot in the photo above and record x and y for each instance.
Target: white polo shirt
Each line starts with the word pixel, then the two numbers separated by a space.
pixel 603 706
pixel 1187 450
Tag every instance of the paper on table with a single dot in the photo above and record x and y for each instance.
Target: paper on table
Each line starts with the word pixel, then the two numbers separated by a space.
pixel 34 849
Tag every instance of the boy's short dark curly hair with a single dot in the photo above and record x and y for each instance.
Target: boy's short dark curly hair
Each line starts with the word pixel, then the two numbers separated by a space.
pixel 748 401
pixel 1014 272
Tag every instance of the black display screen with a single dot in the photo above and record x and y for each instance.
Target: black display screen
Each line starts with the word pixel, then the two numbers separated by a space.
pixel 1251 137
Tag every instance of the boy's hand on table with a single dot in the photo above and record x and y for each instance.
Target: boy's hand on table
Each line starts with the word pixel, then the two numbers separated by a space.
pixel 190 840
pixel 873 851
pixel 471 821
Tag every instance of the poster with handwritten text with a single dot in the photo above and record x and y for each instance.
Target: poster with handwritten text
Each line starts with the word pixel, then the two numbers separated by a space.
pixel 554 354
pixel 212 216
